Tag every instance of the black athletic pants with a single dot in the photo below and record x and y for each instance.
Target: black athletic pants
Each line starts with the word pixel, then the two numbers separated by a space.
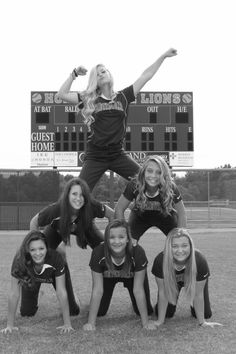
pixel 108 287
pixel 97 162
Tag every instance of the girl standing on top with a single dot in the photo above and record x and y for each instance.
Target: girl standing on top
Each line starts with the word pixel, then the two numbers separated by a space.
pixel 105 114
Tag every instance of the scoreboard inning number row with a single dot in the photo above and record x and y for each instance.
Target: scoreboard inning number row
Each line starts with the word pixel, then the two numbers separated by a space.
pixel 158 123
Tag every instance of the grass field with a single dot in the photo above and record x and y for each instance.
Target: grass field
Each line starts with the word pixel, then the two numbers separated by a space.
pixel 120 330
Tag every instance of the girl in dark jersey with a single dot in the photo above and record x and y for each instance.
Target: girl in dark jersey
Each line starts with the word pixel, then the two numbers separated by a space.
pixel 105 114
pixel 33 265
pixel 73 213
pixel 157 201
pixel 180 265
pixel 117 260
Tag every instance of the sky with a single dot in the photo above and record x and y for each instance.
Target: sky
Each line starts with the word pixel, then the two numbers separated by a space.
pixel 42 41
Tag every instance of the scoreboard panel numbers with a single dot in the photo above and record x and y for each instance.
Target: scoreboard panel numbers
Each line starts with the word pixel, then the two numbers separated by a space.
pixel 157 123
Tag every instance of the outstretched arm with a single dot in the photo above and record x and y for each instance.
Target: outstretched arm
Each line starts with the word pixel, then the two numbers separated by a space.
pixel 12 306
pixel 162 302
pixel 109 213
pixel 63 300
pixel 198 304
pixel 151 70
pixel 140 298
pixel 121 206
pixel 181 214
pixel 96 296
pixel 34 223
pixel 64 92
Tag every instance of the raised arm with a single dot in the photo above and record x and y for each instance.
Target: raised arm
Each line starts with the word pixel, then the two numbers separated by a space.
pixel 13 300
pixel 151 70
pixel 96 296
pixel 121 206
pixel 64 92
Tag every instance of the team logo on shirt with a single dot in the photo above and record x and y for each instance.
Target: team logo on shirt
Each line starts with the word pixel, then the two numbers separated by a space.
pixel 45 266
pixel 106 106
pixel 117 274
pixel 151 205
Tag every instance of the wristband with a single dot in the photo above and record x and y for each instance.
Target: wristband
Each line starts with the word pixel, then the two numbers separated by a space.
pixel 75 72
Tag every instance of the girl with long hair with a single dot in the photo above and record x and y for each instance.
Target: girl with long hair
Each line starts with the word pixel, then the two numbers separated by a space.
pixel 179 266
pixel 105 115
pixel 155 197
pixel 34 264
pixel 73 214
pixel 117 260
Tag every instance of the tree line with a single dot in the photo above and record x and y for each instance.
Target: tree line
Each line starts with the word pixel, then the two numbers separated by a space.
pixel 46 186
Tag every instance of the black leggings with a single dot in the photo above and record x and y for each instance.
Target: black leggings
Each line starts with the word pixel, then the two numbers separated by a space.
pixel 98 162
pixel 108 287
pixel 139 225
pixel 170 311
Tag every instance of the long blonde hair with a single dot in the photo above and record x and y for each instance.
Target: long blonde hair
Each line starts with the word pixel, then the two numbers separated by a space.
pixel 89 95
pixel 165 186
pixel 170 284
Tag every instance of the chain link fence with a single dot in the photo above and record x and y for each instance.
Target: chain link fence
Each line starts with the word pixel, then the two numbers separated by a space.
pixel 209 195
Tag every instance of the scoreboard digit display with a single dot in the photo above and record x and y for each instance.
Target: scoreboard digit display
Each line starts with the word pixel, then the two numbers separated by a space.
pixel 158 123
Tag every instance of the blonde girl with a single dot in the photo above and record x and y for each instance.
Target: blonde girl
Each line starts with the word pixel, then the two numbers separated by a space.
pixel 155 197
pixel 105 114
pixel 180 265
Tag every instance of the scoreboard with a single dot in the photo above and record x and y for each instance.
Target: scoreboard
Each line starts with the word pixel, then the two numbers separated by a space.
pixel 159 123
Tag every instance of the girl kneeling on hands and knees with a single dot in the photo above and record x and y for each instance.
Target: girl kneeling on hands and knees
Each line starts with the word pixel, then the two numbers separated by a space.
pixel 117 260
pixel 180 265
pixel 33 265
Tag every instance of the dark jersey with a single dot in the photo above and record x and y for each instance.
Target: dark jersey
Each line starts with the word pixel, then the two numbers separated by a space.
pixel 51 215
pixel 98 263
pixel 109 126
pixel 153 205
pixel 53 267
pixel 203 271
